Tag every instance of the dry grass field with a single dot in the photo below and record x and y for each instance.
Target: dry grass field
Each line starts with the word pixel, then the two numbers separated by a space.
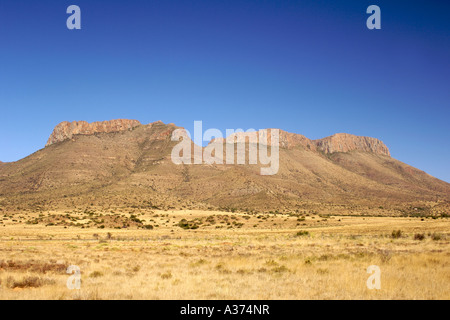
pixel 220 255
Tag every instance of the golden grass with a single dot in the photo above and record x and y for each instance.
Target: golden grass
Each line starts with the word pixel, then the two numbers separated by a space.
pixel 269 261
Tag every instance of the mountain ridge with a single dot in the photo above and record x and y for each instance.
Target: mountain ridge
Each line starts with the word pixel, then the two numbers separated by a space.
pixel 339 142
pixel 133 168
pixel 65 130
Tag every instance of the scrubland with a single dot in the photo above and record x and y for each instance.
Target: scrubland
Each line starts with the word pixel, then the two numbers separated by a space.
pixel 220 255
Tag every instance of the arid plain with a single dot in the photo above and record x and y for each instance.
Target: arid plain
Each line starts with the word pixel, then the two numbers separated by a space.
pixel 198 254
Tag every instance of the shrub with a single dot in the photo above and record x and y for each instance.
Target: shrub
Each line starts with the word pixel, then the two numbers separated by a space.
pixel 280 269
pixel 436 236
pixel 396 234
pixel 302 233
pixel 184 224
pixel 419 236
pixel 136 268
pixel 96 274
pixel 166 275
pixel 271 262
pixel 27 282
pixel 135 219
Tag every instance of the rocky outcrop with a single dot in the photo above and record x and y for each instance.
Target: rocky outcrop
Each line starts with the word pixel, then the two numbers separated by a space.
pixel 290 140
pixel 340 142
pixel 286 139
pixel 66 130
pixel 344 142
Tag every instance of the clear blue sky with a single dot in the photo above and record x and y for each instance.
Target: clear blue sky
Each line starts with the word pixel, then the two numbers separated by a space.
pixel 310 67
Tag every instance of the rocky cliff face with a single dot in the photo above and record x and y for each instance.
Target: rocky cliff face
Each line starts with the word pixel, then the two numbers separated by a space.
pixel 340 142
pixel 65 130
pixel 343 142
pixel 286 139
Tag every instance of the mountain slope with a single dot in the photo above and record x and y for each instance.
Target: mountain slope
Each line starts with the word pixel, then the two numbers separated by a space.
pixel 129 164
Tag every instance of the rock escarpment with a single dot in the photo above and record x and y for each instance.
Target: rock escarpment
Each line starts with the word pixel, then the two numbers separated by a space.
pixel 340 142
pixel 344 142
pixel 286 139
pixel 65 130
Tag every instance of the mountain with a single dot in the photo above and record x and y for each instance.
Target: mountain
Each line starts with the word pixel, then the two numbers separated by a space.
pixel 122 163
pixel 66 130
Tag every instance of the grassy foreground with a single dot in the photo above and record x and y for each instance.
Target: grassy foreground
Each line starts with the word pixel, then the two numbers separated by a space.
pixel 211 255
